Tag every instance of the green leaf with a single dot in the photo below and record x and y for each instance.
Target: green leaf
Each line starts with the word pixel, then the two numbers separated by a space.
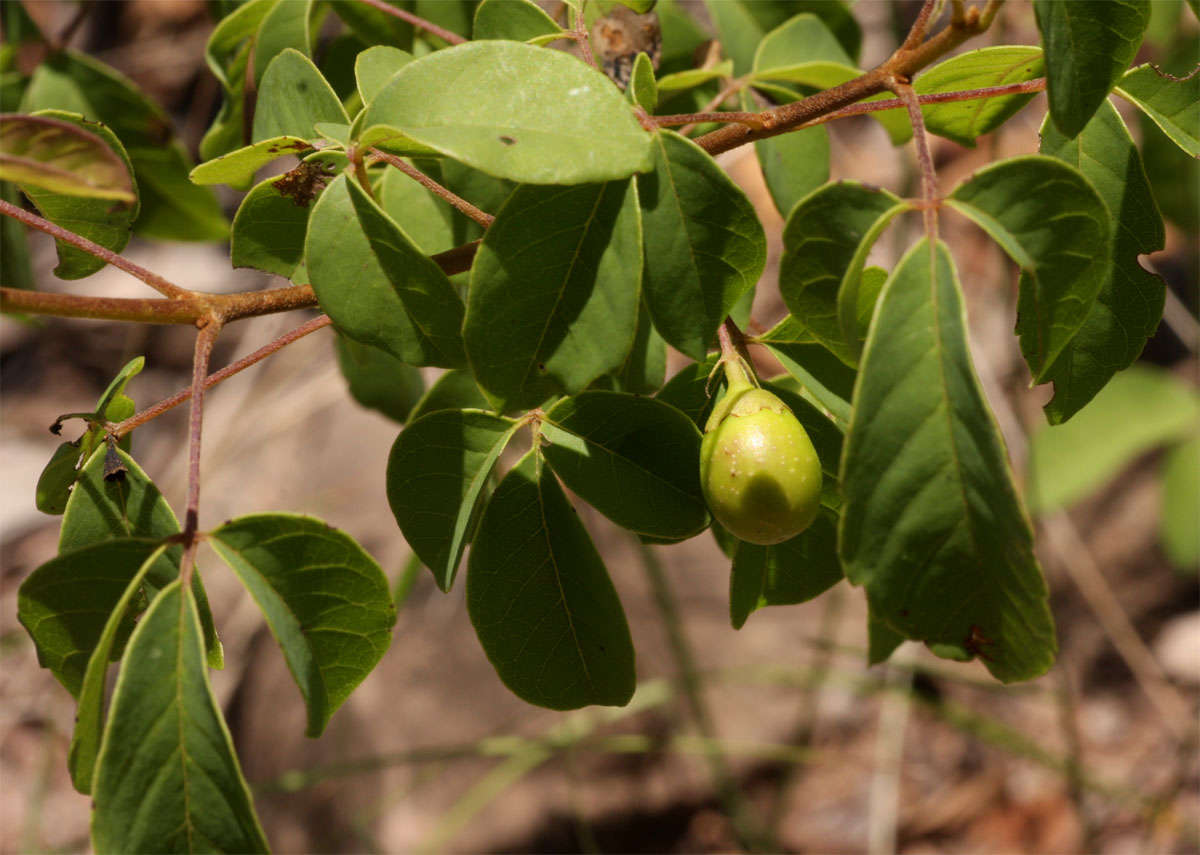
pixel 704 245
pixel 377 65
pixel 57 478
pixel 65 603
pixel 564 124
pixel 269 231
pixel 16 269
pixel 237 168
pixel 62 157
pixel 1173 105
pixel 636 460
pixel 645 367
pixel 693 77
pixel 326 600
pixel 376 27
pixel 288 26
pixel 966 121
pixel 826 380
pixel 103 221
pixel 794 571
pixel 167 778
pixel 1140 408
pixel 541 601
pixel 454 390
pixel 431 223
pixel 1130 302
pixel 100 509
pixel 803 38
pixel 1089 44
pixel 436 473
pixel 294 96
pixel 117 385
pixel 932 525
pixel 642 89
pixel 1049 219
pixel 89 719
pixel 1181 505
pixel 393 296
pixel 826 240
pixel 689 391
pixel 579 287
pixel 228 53
pixel 171 206
pixel 793 164
pixel 378 380
pixel 514 20
pixel 741 26
pixel 882 640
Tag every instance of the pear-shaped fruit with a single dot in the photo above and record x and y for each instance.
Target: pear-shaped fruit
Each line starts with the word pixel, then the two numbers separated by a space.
pixel 758 468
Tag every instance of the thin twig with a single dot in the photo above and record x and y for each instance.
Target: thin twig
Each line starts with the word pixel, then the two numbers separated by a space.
pixel 902 65
pixel 924 158
pixel 865 107
pixel 728 90
pixel 418 22
pixel 579 33
pixel 158 283
pixel 205 339
pixel 482 217
pixel 920 27
pixel 138 419
pixel 360 171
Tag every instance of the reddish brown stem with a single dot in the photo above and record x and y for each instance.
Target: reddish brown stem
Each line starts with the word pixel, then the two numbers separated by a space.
pixel 579 33
pixel 158 283
pixel 205 340
pixel 482 217
pixel 154 411
pixel 1023 88
pixel 924 158
pixel 418 22
pixel 920 27
pixel 903 64
pixel 185 310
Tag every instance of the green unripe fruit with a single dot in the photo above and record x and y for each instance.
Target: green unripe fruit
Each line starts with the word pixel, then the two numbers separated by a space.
pixel 758 468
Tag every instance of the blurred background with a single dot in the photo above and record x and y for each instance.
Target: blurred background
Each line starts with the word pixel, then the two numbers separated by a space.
pixel 778 735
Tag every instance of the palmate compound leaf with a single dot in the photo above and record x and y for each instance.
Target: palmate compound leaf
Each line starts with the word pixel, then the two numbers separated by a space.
pixel 931 525
pixel 101 509
pixel 325 599
pixel 167 778
pixel 436 474
pixel 1088 44
pixel 1050 220
pixel 704 245
pixel 393 296
pixel 633 459
pixel 541 600
pixel 576 287
pixel 1130 302
pixel 515 111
